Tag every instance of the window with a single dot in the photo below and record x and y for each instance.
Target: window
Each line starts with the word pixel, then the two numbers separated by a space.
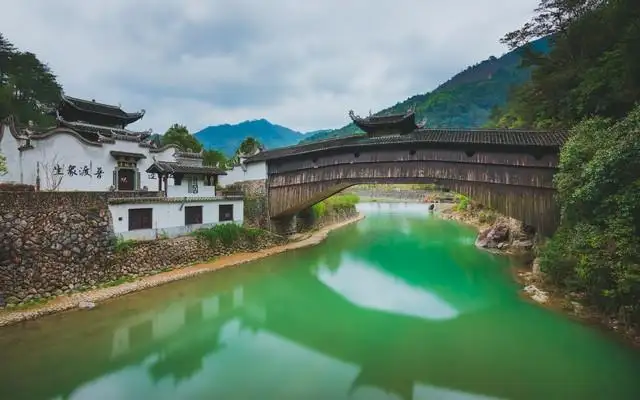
pixel 210 180
pixel 192 182
pixel 140 218
pixel 126 179
pixel 226 212
pixel 177 179
pixel 193 215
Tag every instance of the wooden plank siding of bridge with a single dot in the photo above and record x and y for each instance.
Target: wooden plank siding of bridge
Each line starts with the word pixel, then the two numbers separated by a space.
pixel 509 171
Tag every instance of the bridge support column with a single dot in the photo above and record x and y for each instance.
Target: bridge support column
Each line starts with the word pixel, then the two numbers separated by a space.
pixel 285 225
pixel 305 220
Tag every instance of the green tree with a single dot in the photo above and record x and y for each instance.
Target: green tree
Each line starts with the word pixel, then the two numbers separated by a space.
pixel 592 69
pixel 214 157
pixel 179 135
pixel 551 17
pixel 597 247
pixel 28 87
pixel 248 145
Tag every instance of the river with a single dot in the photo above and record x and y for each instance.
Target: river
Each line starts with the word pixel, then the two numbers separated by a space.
pixel 398 306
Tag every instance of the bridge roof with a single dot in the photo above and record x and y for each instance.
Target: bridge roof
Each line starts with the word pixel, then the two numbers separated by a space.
pixel 497 137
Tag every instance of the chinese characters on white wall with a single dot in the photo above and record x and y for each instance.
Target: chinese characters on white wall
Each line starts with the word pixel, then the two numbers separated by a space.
pixel 74 170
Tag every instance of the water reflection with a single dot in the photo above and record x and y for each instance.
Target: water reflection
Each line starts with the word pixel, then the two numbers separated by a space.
pixel 371 288
pixel 377 312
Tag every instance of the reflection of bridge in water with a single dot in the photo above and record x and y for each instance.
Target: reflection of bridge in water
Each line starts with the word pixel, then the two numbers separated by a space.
pixel 416 350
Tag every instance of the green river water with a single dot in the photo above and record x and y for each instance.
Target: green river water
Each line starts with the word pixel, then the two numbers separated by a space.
pixel 398 306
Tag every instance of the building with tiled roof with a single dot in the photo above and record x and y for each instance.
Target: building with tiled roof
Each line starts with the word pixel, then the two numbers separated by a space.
pixel 91 148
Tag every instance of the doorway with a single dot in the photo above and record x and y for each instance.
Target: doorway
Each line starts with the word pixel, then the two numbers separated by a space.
pixel 126 179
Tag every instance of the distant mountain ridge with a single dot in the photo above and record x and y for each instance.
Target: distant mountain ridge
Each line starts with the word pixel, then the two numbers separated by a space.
pixel 227 138
pixel 464 101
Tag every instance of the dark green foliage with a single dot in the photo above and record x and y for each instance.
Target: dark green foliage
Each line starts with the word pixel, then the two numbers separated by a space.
pixel 28 88
pixel 466 100
pixel 227 138
pixel 123 245
pixel 248 146
pixel 593 68
pixel 597 248
pixel 179 135
pixel 589 81
pixel 339 202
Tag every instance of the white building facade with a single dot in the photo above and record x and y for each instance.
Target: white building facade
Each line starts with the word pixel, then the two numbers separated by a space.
pixel 154 191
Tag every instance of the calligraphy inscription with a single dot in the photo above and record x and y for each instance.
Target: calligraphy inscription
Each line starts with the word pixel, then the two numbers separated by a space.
pixel 74 170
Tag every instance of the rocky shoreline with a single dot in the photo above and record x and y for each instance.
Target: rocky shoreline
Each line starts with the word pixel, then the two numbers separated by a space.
pixel 89 299
pixel 507 236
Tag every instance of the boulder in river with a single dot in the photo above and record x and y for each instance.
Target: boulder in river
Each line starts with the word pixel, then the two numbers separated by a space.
pixel 493 237
pixel 86 305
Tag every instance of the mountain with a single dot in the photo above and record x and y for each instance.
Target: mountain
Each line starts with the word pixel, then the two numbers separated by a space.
pixel 227 138
pixel 318 132
pixel 464 101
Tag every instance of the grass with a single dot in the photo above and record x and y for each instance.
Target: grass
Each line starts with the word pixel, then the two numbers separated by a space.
pixel 462 203
pixel 338 202
pixel 29 304
pixel 123 245
pixel 227 234
pixel 117 282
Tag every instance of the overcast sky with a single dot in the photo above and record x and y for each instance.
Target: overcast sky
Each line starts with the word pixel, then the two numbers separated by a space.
pixel 298 63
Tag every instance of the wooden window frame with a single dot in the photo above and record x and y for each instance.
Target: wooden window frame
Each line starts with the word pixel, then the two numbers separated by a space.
pixel 140 222
pixel 222 215
pixel 192 219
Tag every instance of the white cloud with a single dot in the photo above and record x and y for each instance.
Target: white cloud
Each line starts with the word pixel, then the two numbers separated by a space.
pixel 297 63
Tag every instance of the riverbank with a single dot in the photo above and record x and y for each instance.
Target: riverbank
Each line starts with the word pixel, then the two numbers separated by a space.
pixel 90 298
pixel 527 272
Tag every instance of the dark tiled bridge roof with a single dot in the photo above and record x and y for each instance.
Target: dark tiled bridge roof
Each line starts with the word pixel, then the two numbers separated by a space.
pixel 505 137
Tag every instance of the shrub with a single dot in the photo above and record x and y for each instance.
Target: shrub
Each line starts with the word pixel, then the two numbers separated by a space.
pixel 462 203
pixel 122 245
pixel 227 234
pixel 596 249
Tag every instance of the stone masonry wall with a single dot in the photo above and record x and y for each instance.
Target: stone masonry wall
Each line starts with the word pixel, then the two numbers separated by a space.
pixel 256 213
pixel 54 243
pixel 306 221
pixel 51 240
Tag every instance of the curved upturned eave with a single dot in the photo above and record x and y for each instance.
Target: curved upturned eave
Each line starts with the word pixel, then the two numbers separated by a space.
pixel 10 122
pixel 64 131
pixel 128 119
pixel 369 126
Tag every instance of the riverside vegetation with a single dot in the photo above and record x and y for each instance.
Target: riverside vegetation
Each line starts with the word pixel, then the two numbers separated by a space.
pixel 589 82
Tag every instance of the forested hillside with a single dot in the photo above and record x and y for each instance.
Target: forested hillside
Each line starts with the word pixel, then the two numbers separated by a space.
pixel 464 101
pixel 227 138
pixel 27 85
pixel 590 83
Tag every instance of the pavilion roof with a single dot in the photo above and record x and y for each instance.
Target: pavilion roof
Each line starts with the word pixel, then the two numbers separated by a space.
pixel 499 137
pixel 105 131
pixel 172 167
pixel 93 107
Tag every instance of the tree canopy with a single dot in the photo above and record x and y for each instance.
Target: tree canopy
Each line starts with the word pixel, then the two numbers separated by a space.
pixel 28 87
pixel 590 83
pixel 248 145
pixel 592 69
pixel 179 135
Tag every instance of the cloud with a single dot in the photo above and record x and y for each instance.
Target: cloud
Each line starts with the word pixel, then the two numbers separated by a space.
pixel 300 64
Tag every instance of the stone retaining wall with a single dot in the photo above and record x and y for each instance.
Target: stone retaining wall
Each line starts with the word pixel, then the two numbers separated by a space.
pixel 54 243
pixel 16 187
pixel 50 240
